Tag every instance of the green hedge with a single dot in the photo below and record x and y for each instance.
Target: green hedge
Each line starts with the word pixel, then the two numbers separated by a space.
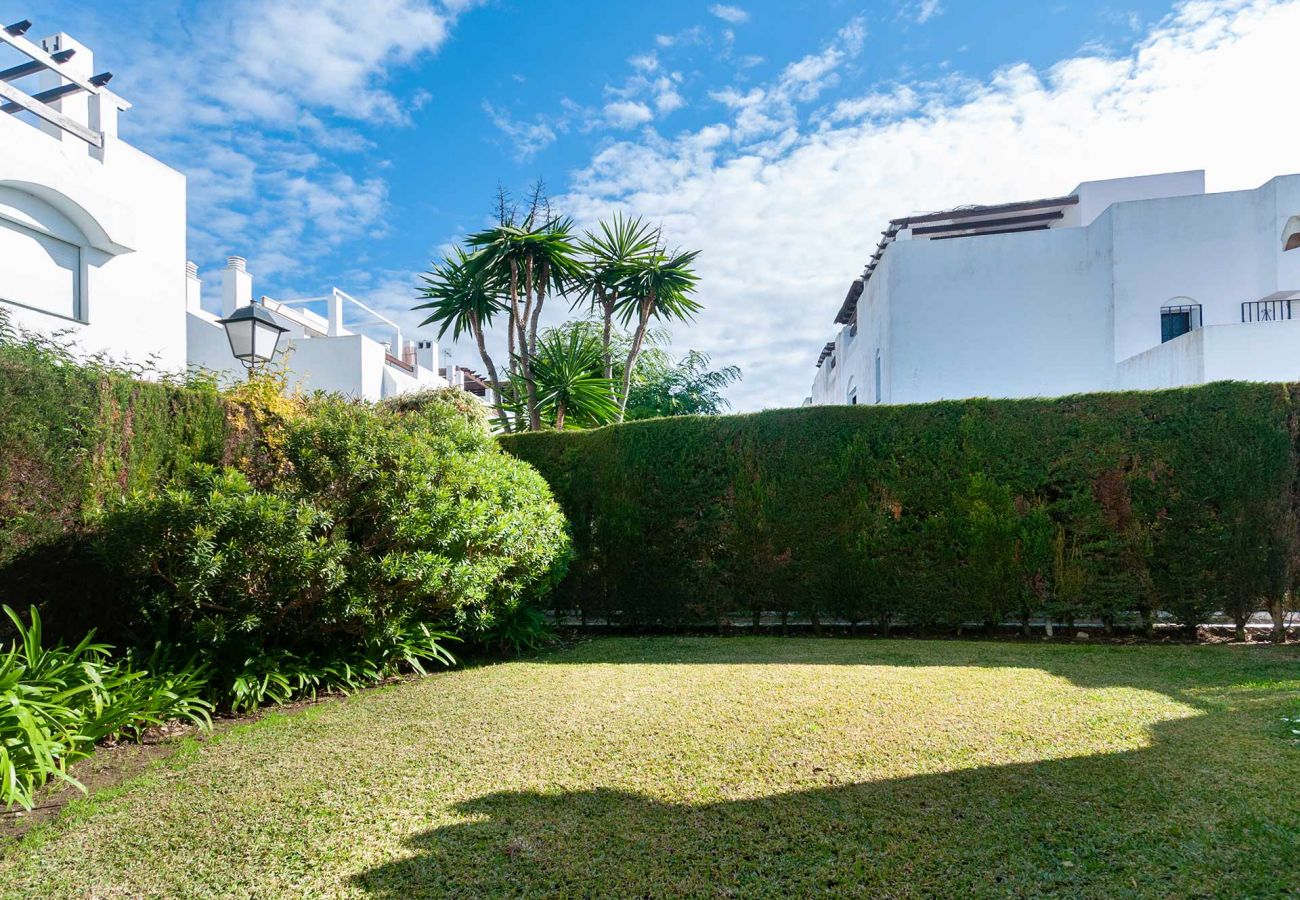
pixel 73 439
pixel 1121 507
pixel 143 509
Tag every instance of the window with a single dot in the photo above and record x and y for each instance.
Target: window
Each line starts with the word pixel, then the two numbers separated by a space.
pixel 832 363
pixel 42 254
pixel 878 375
pixel 853 393
pixel 1177 320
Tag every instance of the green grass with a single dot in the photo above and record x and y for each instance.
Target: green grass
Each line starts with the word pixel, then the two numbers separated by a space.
pixel 729 767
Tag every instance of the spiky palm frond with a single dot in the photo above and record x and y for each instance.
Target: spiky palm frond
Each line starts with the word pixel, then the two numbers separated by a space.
pixel 571 390
pixel 457 294
pixel 549 247
pixel 612 250
pixel 664 281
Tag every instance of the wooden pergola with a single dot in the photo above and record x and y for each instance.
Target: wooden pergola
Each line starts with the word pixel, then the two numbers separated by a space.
pixel 16 100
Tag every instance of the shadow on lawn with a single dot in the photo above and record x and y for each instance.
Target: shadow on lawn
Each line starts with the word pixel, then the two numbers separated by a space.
pixel 1211 808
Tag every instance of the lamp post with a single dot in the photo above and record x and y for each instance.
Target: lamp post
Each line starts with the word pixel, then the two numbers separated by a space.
pixel 253 334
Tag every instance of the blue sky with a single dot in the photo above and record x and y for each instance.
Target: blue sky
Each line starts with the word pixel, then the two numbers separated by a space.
pixel 341 143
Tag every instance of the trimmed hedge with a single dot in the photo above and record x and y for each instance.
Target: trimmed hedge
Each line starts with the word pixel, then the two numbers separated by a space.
pixel 144 509
pixel 1115 506
pixel 74 439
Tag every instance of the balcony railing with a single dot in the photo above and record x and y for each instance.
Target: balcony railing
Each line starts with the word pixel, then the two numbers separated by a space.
pixel 1266 310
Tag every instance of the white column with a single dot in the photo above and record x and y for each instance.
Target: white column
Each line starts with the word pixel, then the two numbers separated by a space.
pixel 426 355
pixel 335 313
pixel 193 288
pixel 103 111
pixel 76 106
pixel 236 285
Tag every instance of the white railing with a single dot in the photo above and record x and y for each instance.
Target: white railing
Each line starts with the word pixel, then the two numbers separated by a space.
pixel 344 314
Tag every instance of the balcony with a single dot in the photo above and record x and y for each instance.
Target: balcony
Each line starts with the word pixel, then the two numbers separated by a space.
pixel 1236 352
pixel 1273 308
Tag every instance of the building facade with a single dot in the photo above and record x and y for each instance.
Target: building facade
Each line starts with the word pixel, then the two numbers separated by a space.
pixel 1131 283
pixel 92 246
pixel 92 231
pixel 333 343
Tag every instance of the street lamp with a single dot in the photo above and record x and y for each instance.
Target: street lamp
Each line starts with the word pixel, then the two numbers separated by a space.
pixel 253 334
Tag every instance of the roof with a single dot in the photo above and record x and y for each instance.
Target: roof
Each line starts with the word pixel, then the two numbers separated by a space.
pixel 828 350
pixel 962 221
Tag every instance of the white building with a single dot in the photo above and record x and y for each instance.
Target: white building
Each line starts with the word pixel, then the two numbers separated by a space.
pixel 333 343
pixel 92 231
pixel 92 245
pixel 1131 283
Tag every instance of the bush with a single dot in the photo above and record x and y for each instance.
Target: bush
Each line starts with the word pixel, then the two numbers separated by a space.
pixel 1123 507
pixel 75 437
pixel 225 568
pixel 440 525
pixel 378 522
pixel 295 544
pixel 56 703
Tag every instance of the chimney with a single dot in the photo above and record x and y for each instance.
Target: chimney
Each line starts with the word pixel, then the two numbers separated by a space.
pixel 82 64
pixel 426 355
pixel 236 286
pixel 193 287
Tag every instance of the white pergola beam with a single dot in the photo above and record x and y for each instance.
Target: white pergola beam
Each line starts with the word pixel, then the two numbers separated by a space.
pixel 50 114
pixel 33 52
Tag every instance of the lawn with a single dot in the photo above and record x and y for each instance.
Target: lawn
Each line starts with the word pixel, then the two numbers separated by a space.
pixel 729 767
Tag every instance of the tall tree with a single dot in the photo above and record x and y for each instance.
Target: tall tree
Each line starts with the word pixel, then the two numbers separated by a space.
pixel 659 286
pixel 463 299
pixel 610 252
pixel 533 257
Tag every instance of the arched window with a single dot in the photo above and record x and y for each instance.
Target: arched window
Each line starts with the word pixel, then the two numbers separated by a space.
pixel 1291 234
pixel 44 256
pixel 852 393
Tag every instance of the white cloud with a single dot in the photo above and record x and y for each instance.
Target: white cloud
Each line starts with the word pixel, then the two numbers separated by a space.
pixel 923 11
pixel 323 53
pixel 627 113
pixel 526 138
pixel 733 14
pixel 770 113
pixel 784 227
pixel 648 93
pixel 686 38
pixel 240 97
pixel 903 99
pixel 645 62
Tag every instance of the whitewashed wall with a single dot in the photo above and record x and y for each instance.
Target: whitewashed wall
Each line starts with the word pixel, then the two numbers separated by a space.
pixel 130 211
pixel 1074 309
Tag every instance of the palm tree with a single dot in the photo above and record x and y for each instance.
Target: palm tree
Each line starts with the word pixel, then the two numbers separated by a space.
pixel 570 386
pixel 531 259
pixel 464 299
pixel 660 287
pixel 619 245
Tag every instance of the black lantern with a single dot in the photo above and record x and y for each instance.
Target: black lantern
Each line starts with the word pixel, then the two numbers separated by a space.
pixel 253 334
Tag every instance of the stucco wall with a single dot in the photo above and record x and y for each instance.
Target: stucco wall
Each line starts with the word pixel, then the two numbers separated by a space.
pixel 1076 309
pixel 1010 315
pixel 134 294
pixel 353 365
